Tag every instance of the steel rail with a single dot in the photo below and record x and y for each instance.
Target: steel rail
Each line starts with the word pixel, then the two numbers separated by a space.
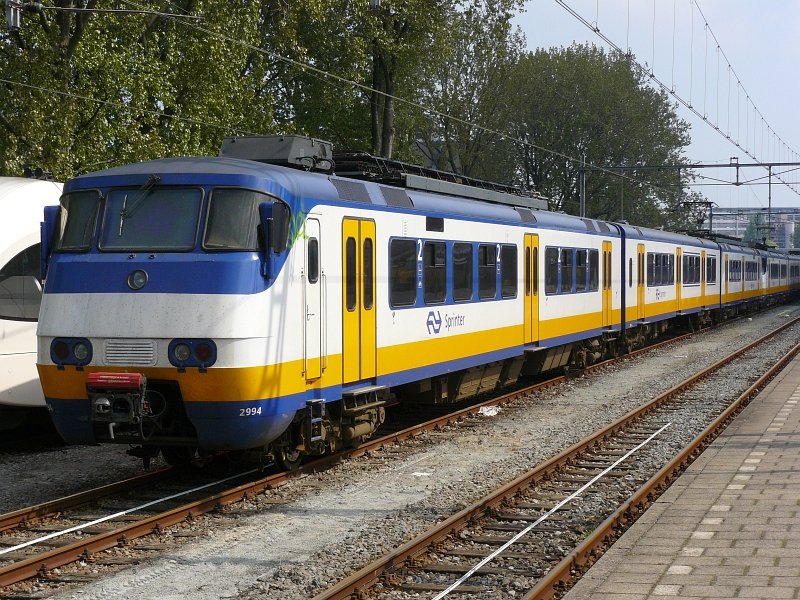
pixel 27 515
pixel 582 557
pixel 83 549
pixel 354 585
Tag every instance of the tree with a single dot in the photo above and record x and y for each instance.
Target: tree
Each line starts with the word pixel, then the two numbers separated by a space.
pixel 92 90
pixel 380 50
pixel 467 86
pixel 581 103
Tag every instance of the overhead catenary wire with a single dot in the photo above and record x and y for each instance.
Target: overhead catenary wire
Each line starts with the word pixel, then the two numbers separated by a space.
pixel 746 148
pixel 325 75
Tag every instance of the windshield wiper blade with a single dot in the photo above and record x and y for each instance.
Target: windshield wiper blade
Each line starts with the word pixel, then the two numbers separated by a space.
pixel 141 194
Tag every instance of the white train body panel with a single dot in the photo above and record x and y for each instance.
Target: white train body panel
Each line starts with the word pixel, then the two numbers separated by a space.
pixel 22 202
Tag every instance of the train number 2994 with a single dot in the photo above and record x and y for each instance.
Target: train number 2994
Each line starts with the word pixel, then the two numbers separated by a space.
pixel 250 412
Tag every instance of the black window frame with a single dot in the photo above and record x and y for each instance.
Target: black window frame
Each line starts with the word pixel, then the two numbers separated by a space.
pixel 368 276
pixel 509 281
pixel 351 281
pixel 487 271
pixel 551 275
pixel 313 260
pixel 465 273
pixel 406 294
pixel 434 271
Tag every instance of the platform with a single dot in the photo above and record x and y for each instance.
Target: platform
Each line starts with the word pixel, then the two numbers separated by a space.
pixel 729 527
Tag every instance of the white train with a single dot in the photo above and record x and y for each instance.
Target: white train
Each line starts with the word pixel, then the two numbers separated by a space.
pixel 22 203
pixel 225 303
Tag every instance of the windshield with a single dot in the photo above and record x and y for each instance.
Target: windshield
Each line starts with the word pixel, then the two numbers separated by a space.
pixel 20 292
pixel 152 218
pixel 78 214
pixel 233 220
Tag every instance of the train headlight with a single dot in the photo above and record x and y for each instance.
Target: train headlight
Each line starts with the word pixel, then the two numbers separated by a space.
pixel 185 353
pixel 181 352
pixel 71 351
pixel 137 279
pixel 80 351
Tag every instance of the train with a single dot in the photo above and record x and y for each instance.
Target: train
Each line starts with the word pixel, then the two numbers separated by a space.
pixel 277 298
pixel 22 202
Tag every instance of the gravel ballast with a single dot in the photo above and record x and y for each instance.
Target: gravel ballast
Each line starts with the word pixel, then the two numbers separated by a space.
pixel 297 540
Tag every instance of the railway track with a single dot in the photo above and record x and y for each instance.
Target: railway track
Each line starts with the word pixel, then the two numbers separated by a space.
pixel 37 540
pixel 540 532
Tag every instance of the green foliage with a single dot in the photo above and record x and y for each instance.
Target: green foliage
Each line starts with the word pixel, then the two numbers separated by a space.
pixel 109 89
pixel 580 102
pixel 468 86
pixel 87 91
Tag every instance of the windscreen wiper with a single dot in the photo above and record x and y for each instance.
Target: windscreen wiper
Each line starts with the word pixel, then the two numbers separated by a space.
pixel 141 194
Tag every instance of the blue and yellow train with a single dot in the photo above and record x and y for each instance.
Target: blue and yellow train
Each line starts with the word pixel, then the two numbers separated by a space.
pixel 268 299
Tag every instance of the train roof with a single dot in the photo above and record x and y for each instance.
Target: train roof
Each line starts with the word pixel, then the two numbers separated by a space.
pixel 21 189
pixel 309 188
pixel 289 183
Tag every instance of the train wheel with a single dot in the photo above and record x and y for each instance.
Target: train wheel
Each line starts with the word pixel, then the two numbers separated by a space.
pixel 288 459
pixel 178 456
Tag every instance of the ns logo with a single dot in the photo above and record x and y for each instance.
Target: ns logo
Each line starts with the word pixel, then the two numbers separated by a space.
pixel 434 322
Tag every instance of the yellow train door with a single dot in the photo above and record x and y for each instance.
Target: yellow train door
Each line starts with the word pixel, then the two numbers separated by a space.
pixel 640 282
pixel 703 278
pixel 678 279
pixel 531 317
pixel 727 278
pixel 313 281
pixel 606 284
pixel 358 300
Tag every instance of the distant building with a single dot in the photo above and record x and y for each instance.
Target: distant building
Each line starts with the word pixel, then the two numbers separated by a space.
pixel 754 224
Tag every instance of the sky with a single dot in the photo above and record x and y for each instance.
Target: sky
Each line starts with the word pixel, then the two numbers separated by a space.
pixel 760 40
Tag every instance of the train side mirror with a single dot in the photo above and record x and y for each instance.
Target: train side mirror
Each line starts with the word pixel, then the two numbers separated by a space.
pixel 48 227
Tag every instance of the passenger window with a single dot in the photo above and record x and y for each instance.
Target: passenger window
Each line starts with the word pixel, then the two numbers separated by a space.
pixel 550 270
pixel 508 271
pixel 566 270
pixel 369 278
pixel 487 271
pixel 711 269
pixel 630 272
pixel 462 272
pixel 20 292
pixel 580 270
pixel 594 270
pixel 435 272
pixel 403 272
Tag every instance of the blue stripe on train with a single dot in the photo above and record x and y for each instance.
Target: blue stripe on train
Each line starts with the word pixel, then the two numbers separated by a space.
pixel 219 425
pixel 174 273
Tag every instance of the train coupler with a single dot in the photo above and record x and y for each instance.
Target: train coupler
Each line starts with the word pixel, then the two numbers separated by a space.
pixel 117 397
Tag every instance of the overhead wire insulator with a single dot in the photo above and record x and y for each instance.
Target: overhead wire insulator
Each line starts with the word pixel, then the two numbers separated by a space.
pixel 14 14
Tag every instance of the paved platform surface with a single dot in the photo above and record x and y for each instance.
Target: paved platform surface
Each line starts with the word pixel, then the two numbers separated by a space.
pixel 729 527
